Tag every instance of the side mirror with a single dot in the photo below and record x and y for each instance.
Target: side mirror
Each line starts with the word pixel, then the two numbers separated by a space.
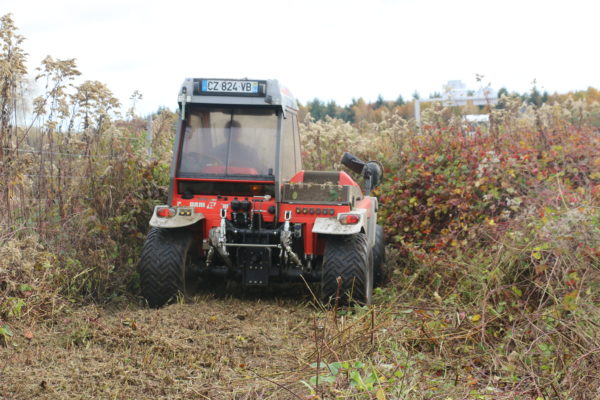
pixel 371 171
pixel 353 163
pixel 373 174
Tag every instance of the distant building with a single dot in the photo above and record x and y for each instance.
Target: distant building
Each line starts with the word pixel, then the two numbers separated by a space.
pixel 456 94
pixel 477 118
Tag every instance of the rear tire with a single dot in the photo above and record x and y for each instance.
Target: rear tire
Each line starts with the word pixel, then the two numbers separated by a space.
pixel 349 258
pixel 166 258
pixel 381 275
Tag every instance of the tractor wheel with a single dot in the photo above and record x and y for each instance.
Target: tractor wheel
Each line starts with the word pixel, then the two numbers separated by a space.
pixel 348 258
pixel 380 273
pixel 163 267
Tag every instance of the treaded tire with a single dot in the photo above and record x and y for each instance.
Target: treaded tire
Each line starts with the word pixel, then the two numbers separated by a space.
pixel 381 275
pixel 349 258
pixel 165 259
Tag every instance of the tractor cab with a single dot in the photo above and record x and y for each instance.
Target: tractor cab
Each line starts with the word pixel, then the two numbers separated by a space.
pixel 234 131
pixel 240 207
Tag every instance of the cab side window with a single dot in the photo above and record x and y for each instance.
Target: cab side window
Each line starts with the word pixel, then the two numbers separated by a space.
pixel 288 148
pixel 297 143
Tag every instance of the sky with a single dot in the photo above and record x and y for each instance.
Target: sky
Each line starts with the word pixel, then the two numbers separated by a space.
pixel 326 49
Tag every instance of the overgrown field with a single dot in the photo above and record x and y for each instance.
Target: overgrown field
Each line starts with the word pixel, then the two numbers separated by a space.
pixel 494 256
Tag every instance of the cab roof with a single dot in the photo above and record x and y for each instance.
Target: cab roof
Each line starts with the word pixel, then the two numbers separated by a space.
pixel 252 92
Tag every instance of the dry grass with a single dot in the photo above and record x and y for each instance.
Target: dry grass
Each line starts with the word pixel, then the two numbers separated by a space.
pixel 215 348
pixel 209 348
pixel 263 346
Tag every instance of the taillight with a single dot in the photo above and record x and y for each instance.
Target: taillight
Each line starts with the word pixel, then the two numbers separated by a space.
pixel 256 190
pixel 165 212
pixel 349 219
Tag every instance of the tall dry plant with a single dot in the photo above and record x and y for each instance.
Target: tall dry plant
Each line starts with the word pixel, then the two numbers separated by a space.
pixel 75 179
pixel 12 76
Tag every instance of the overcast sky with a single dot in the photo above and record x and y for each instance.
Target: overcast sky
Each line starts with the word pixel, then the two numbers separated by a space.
pixel 330 49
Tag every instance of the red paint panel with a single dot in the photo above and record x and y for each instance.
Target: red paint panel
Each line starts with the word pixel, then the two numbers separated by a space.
pixel 298 178
pixel 345 179
pixel 222 180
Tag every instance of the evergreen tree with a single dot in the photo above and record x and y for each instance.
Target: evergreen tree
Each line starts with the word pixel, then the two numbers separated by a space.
pixel 346 114
pixel 501 102
pixel 331 109
pixel 317 109
pixel 535 97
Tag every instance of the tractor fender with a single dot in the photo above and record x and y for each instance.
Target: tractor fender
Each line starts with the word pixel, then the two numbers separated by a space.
pixel 333 226
pixel 176 221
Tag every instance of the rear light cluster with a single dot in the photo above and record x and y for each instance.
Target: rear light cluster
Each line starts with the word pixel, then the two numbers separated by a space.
pixel 313 211
pixel 166 212
pixel 169 212
pixel 349 219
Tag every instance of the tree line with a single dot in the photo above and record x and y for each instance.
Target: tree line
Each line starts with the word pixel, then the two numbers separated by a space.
pixel 360 110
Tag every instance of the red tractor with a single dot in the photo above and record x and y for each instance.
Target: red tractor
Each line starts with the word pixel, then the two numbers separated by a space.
pixel 241 207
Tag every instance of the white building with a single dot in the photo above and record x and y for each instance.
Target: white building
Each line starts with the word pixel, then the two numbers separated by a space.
pixel 456 94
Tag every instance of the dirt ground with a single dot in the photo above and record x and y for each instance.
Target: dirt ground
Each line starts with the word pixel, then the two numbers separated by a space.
pixel 211 347
pixel 223 344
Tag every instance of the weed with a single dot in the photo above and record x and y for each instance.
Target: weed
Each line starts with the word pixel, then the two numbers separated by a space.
pixel 5 334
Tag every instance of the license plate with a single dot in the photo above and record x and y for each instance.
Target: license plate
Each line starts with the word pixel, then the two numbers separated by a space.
pixel 229 86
